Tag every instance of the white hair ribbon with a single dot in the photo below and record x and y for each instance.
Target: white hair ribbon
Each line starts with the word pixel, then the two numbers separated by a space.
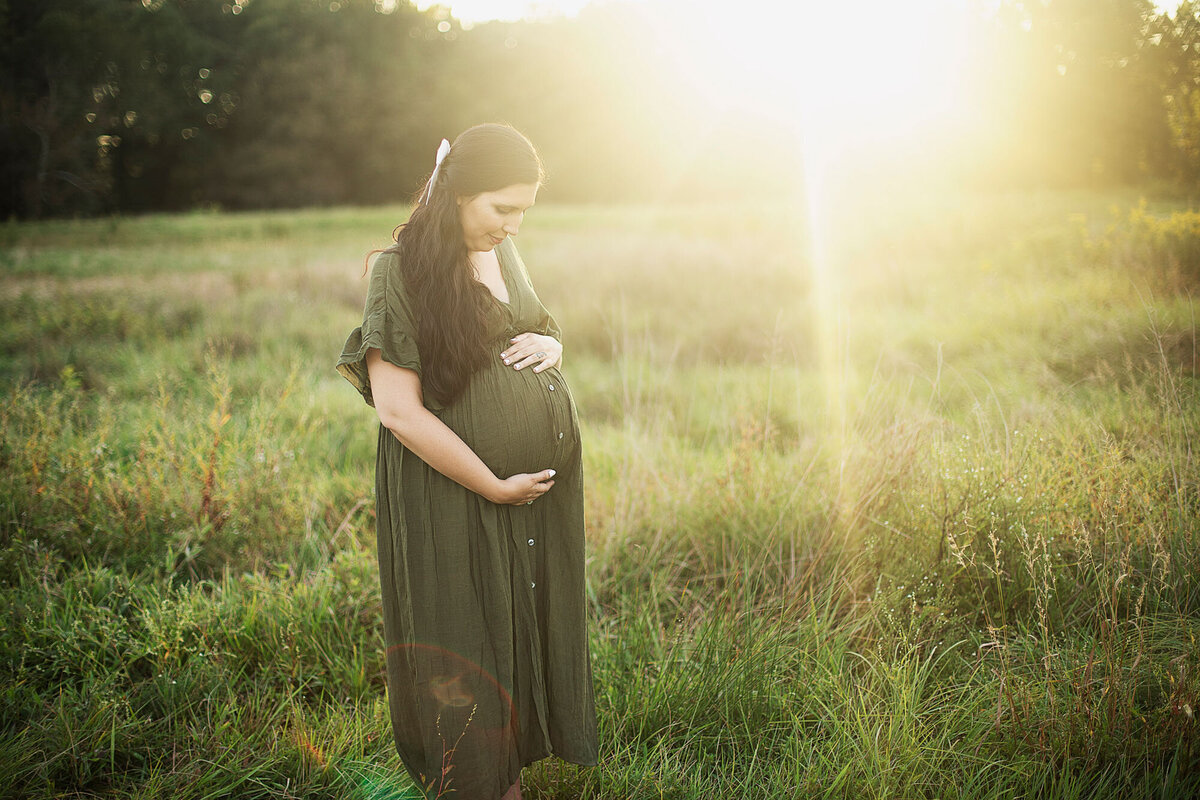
pixel 442 151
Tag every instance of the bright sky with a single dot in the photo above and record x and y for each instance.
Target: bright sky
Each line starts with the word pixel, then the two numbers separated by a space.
pixel 479 10
pixel 847 77
pixel 470 11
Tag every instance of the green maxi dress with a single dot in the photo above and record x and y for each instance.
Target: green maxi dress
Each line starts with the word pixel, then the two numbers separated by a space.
pixel 484 609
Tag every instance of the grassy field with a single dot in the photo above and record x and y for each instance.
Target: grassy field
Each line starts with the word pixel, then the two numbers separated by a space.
pixel 923 522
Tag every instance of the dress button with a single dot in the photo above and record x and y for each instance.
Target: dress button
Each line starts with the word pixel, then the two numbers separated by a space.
pixel 552 387
pixel 532 584
pixel 531 542
pixel 560 434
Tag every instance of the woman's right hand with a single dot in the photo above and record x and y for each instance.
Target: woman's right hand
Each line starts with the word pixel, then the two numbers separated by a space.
pixel 523 488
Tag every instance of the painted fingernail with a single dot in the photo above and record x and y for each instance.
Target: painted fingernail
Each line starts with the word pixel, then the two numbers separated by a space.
pixel 552 473
pixel 506 361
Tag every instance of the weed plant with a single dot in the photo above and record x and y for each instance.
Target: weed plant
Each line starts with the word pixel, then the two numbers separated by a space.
pixel 957 559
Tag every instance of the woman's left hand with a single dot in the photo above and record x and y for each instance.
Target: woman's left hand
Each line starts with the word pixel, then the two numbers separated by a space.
pixel 531 348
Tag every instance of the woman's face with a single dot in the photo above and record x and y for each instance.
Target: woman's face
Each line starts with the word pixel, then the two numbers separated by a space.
pixel 488 217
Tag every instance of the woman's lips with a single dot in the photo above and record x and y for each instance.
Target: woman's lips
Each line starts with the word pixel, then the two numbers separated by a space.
pixel 495 240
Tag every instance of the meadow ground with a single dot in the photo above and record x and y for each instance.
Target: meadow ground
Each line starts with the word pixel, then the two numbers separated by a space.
pixel 920 523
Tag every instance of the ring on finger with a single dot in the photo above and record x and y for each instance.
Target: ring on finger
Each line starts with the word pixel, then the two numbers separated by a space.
pixel 528 502
pixel 539 355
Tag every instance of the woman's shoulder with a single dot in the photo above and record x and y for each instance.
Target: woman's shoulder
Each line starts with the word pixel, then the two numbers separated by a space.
pixel 387 284
pixel 508 251
pixel 388 257
pixel 508 248
pixel 386 266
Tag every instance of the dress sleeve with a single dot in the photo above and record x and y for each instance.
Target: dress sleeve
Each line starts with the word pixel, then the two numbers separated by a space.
pixel 388 324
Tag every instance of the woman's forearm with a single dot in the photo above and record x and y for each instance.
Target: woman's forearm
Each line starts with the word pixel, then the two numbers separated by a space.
pixel 441 448
pixel 397 401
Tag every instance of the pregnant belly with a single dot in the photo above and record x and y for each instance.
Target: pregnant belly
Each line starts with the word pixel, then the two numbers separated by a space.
pixel 517 420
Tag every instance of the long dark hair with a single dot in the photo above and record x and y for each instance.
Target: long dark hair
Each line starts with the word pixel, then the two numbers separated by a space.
pixel 454 308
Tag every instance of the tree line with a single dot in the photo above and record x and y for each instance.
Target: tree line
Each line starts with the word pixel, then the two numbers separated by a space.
pixel 123 106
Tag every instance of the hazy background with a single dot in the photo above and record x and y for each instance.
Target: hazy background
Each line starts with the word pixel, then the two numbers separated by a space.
pixel 880 318
pixel 136 105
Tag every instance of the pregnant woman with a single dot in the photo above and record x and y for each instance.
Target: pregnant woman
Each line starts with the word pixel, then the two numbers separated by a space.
pixel 479 487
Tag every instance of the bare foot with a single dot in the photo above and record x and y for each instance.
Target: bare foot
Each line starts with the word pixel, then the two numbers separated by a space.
pixel 514 792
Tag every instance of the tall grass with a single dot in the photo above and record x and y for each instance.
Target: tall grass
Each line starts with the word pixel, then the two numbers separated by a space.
pixel 974 577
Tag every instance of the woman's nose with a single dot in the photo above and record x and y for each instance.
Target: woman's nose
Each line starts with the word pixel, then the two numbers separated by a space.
pixel 512 225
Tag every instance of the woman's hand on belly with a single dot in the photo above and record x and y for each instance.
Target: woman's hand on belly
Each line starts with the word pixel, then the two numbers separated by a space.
pixel 523 488
pixel 531 348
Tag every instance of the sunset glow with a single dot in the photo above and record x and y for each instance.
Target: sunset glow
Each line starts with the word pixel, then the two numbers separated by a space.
pixel 475 11
pixel 482 10
pixel 849 68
